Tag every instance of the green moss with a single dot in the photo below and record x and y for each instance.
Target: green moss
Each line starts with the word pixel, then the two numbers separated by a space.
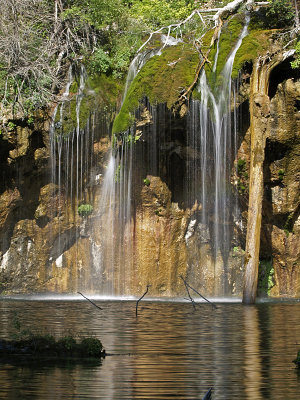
pixel 228 38
pixel 241 164
pixel 281 174
pixel 265 277
pixel 289 224
pixel 252 46
pixel 84 210
pixel 107 89
pixel 74 87
pixel 161 80
pixel 101 92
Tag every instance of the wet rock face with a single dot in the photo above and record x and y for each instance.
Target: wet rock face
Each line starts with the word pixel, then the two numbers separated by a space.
pixel 161 252
pixel 44 243
pixel 282 186
pixel 46 246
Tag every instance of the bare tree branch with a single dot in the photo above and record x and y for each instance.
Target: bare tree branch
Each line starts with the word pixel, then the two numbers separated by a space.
pixel 90 301
pixel 137 303
pixel 189 286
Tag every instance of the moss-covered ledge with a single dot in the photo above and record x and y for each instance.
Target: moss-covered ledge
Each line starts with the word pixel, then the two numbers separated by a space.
pixel 161 80
pixel 165 77
pixel 101 92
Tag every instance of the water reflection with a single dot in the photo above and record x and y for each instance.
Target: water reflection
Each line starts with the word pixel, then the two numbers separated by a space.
pixel 252 358
pixel 169 351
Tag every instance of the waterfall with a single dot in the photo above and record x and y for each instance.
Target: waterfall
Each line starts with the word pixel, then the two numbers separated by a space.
pixel 196 166
pixel 71 141
pixel 213 133
pixel 141 58
pixel 115 225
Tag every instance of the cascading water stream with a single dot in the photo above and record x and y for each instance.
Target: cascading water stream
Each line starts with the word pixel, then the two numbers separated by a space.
pixel 70 147
pixel 141 58
pixel 214 133
pixel 201 182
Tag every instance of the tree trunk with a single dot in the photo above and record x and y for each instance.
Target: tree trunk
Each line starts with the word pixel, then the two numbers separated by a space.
pixel 259 115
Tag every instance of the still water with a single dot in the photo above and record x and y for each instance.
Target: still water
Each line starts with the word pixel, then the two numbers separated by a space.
pixel 169 352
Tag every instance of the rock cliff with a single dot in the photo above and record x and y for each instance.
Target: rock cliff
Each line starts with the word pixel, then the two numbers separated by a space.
pixel 46 246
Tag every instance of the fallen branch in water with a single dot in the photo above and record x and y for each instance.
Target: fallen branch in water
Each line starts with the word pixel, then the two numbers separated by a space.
pixel 188 292
pixel 90 301
pixel 137 303
pixel 189 286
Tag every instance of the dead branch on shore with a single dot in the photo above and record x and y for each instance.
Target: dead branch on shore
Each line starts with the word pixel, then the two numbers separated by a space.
pixel 90 301
pixel 189 286
pixel 137 303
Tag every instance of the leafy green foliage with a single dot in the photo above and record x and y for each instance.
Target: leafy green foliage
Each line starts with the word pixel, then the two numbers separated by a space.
pixel 147 182
pixel 156 13
pixel 289 224
pixel 241 164
pixel 265 277
pixel 67 343
pixel 296 63
pixel 31 343
pixel 91 347
pixel 38 43
pixel 281 174
pixel 99 62
pixel 279 14
pixel 84 210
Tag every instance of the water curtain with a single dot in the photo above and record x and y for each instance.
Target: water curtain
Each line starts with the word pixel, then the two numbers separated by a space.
pixel 199 180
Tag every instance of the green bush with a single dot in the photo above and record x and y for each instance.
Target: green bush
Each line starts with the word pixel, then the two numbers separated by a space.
pixel 84 210
pixel 91 347
pixel 265 277
pixel 240 165
pixel 279 14
pixel 100 62
pixel 280 174
pixel 67 344
pixel 296 63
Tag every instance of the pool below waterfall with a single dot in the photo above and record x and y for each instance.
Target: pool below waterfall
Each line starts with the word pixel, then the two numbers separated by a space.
pixel 171 351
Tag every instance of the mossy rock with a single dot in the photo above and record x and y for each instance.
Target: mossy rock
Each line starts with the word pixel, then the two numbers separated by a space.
pixel 229 36
pixel 45 346
pixel 100 93
pixel 161 80
pixel 254 44
pixel 107 89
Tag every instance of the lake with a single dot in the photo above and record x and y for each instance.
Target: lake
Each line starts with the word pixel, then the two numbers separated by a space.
pixel 171 351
